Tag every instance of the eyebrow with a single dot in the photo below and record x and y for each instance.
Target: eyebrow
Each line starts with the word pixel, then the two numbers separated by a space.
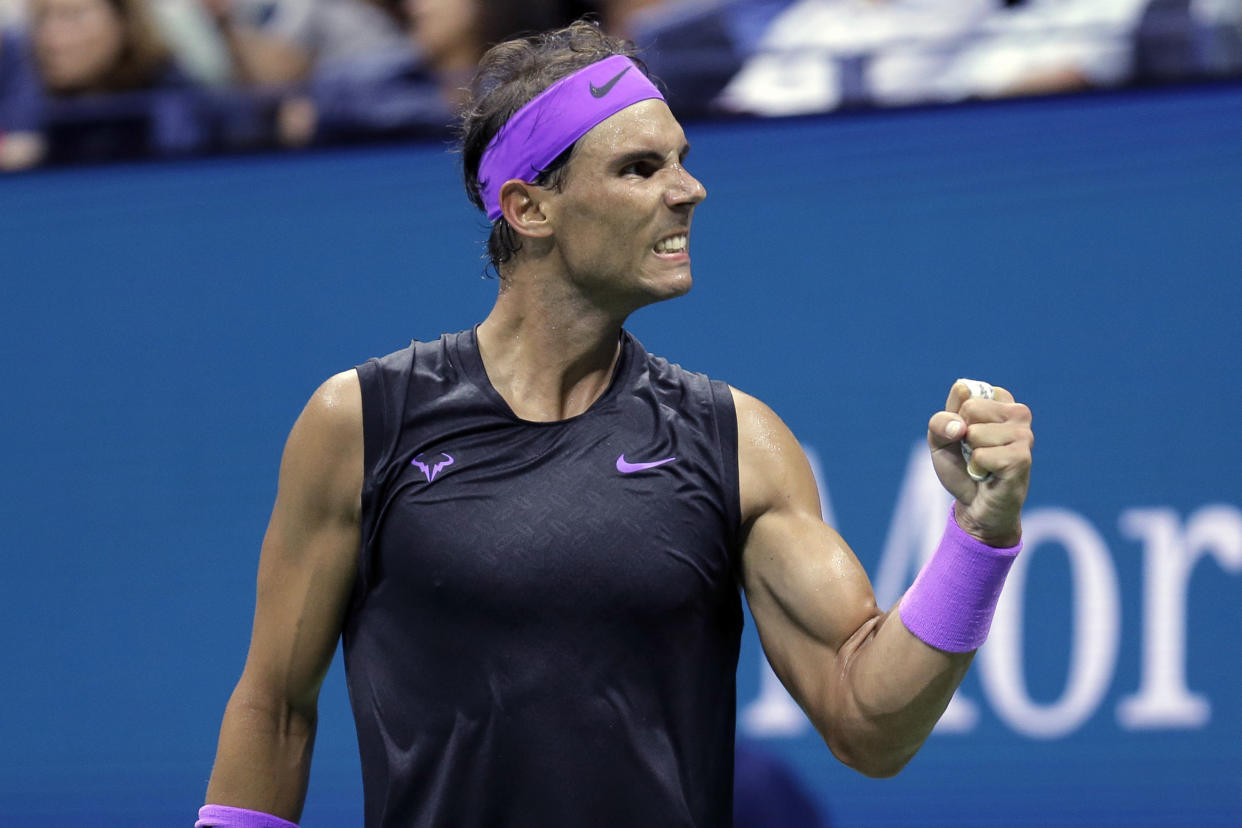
pixel 648 155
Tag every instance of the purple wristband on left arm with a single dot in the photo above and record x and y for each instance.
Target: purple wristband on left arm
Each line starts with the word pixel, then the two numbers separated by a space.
pixel 226 816
pixel 951 603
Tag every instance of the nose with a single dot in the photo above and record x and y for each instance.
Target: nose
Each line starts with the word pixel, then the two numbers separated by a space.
pixel 685 189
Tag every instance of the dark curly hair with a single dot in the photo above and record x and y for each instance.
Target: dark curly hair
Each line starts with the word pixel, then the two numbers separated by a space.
pixel 509 76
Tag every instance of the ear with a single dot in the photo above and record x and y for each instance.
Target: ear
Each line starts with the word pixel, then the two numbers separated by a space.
pixel 522 205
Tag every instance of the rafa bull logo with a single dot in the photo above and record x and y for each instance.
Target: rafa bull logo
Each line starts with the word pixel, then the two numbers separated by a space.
pixel 430 472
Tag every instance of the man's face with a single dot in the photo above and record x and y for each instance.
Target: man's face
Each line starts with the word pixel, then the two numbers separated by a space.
pixel 622 218
pixel 76 42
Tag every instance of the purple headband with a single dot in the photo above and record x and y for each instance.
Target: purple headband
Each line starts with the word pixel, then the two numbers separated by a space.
pixel 559 115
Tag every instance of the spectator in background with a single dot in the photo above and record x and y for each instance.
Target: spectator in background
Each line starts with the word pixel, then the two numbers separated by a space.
pixel 619 17
pixel 92 46
pixel 280 42
pixel 1179 40
pixel 195 41
pixel 93 80
pixel 821 55
pixel 417 88
pixel 693 46
pixel 451 35
pixel 21 144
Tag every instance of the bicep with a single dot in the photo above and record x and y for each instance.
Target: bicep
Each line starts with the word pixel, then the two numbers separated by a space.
pixel 807 592
pixel 307 561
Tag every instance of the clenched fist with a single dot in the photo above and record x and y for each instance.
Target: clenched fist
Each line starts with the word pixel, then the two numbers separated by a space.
pixel 998 433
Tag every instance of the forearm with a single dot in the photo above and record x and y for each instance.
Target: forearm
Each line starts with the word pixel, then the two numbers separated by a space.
pixel 904 671
pixel 264 755
pixel 893 690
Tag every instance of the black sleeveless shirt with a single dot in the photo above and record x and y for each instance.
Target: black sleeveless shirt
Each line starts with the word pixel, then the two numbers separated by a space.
pixel 546 621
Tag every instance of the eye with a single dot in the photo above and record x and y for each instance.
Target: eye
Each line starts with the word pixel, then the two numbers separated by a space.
pixel 645 169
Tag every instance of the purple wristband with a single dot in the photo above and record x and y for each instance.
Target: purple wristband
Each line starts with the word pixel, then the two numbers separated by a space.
pixel 951 603
pixel 225 816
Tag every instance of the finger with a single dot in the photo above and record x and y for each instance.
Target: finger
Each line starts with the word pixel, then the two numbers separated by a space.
pixel 978 391
pixel 964 389
pixel 981 412
pixel 958 394
pixel 944 428
pixel 986 434
pixel 995 447
pixel 1001 394
pixel 1002 461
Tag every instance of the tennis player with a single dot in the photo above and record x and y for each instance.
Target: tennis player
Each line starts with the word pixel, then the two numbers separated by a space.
pixel 531 535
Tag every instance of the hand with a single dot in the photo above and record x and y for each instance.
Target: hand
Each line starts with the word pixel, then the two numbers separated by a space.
pixel 21 150
pixel 296 120
pixel 999 434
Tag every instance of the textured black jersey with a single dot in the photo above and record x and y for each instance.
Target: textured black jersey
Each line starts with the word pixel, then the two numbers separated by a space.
pixel 547 616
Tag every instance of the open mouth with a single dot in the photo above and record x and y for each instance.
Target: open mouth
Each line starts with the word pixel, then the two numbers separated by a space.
pixel 677 243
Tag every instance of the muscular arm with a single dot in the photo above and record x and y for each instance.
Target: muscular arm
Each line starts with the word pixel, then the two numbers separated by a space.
pixel 306 573
pixel 871 688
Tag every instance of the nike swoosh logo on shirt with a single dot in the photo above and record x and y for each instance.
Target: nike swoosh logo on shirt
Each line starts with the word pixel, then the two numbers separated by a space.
pixel 626 467
pixel 601 91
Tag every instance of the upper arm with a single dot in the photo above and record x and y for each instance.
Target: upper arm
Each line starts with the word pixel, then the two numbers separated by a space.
pixel 309 553
pixel 807 592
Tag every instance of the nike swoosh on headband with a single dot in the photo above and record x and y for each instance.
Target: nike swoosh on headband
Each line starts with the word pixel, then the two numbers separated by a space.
pixel 626 467
pixel 601 91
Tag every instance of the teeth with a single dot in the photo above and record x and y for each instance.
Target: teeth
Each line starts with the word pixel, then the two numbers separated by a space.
pixel 673 244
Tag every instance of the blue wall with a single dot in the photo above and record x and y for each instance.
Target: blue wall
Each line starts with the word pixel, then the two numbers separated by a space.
pixel 163 324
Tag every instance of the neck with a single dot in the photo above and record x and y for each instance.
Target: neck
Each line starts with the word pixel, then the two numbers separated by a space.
pixel 549 357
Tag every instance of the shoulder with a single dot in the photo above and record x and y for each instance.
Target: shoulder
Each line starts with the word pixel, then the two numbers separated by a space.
pixel 669 376
pixel 18 78
pixel 331 422
pixel 385 369
pixel 322 465
pixel 754 409
pixel 773 471
pixel 339 397
pixel 13 44
pixel 760 431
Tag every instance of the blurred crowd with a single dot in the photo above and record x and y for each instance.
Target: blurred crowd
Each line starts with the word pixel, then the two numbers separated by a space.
pixel 88 80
